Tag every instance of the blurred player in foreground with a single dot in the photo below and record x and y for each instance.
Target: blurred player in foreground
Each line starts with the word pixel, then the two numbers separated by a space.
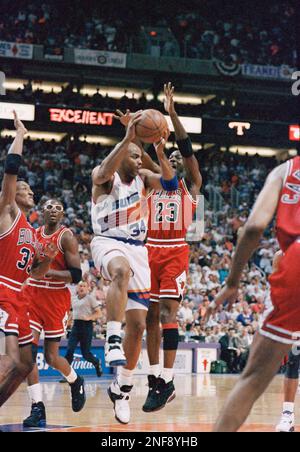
pixel 281 328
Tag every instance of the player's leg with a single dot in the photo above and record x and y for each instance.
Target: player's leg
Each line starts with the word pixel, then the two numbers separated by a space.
pixel 85 339
pixel 164 388
pixel 153 346
pixel 291 381
pixel 263 364
pixel 119 391
pixel 59 363
pixel 12 369
pixel 119 272
pixel 37 417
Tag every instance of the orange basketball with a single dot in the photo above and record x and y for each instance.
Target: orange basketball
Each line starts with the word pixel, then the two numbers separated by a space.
pixel 151 126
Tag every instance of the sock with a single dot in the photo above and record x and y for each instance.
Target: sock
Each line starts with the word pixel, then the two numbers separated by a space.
pixel 72 377
pixel 125 377
pixel 167 374
pixel 35 393
pixel 155 370
pixel 289 406
pixel 113 329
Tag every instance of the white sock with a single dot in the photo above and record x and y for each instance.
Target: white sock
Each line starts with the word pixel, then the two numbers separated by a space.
pixel 35 393
pixel 125 377
pixel 72 377
pixel 155 370
pixel 167 374
pixel 289 406
pixel 113 329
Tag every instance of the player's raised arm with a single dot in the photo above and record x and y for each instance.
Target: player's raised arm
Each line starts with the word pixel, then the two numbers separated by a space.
pixel 183 142
pixel 261 216
pixel 167 179
pixel 104 172
pixel 12 165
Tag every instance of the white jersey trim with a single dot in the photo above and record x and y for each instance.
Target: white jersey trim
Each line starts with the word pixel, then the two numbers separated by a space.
pixel 188 192
pixel 9 231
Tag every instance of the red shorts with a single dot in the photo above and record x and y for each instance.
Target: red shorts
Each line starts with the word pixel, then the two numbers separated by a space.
pixel 283 323
pixel 14 316
pixel 49 310
pixel 169 269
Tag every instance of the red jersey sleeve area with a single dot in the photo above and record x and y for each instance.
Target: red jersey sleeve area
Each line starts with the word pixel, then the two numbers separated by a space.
pixel 17 250
pixel 288 213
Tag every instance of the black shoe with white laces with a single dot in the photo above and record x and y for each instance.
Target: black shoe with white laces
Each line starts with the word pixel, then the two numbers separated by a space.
pixel 162 394
pixel 78 394
pixel 152 382
pixel 37 416
pixel 114 353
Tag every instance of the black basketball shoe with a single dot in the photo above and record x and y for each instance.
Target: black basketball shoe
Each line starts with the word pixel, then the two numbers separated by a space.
pixel 78 394
pixel 152 382
pixel 162 394
pixel 37 416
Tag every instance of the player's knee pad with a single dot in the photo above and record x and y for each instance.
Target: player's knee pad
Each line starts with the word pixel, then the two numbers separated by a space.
pixel 292 367
pixel 170 336
pixel 34 349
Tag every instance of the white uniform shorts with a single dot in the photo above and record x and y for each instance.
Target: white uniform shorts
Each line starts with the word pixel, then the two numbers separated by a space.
pixel 105 249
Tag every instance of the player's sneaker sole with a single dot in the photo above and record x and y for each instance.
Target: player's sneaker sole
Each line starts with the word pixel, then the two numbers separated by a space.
pixel 116 363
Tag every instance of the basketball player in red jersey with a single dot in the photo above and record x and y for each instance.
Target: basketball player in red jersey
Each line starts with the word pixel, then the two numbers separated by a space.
pixel 49 304
pixel 18 260
pixel 170 216
pixel 281 329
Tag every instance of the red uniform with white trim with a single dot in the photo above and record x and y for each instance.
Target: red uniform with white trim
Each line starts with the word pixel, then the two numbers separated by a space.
pixel 17 250
pixel 171 214
pixel 283 323
pixel 49 301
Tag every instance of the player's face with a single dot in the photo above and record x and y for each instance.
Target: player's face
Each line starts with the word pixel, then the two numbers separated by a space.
pixel 53 212
pixel 176 161
pixel 24 196
pixel 133 162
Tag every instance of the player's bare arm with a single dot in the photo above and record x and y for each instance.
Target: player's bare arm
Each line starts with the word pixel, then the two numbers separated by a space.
pixel 261 215
pixel 74 274
pixel 102 175
pixel 8 207
pixel 40 266
pixel 190 162
pixel 167 173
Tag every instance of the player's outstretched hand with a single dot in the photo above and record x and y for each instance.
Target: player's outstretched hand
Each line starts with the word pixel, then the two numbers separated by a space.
pixel 160 145
pixel 168 100
pixel 228 294
pixel 131 132
pixel 125 118
pixel 19 126
pixel 50 250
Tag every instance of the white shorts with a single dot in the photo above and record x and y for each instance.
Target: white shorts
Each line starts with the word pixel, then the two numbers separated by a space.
pixel 105 249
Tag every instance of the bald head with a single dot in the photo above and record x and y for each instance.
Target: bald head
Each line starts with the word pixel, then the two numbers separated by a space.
pixel 132 163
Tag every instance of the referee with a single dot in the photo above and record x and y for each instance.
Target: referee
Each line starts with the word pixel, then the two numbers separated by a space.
pixel 86 310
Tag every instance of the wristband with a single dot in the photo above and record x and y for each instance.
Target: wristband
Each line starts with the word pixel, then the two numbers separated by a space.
pixel 76 274
pixel 185 147
pixel 169 185
pixel 12 164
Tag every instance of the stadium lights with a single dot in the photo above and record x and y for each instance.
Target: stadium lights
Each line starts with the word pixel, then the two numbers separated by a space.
pixel 114 92
pixel 191 125
pixel 35 135
pixel 182 98
pixel 95 139
pixel 261 151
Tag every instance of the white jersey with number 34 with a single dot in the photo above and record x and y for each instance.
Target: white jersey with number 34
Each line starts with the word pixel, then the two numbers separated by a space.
pixel 123 213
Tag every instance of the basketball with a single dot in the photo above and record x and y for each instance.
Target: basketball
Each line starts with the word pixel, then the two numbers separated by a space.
pixel 151 126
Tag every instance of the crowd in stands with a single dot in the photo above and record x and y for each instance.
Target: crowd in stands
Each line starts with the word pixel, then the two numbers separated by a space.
pixel 234 32
pixel 63 170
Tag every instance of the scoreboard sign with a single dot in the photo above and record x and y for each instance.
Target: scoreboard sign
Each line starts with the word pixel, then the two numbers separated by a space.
pixel 295 133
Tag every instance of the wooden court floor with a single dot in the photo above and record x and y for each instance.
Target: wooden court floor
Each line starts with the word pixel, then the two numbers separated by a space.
pixel 198 402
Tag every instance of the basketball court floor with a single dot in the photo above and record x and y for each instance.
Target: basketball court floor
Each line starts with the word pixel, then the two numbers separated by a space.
pixel 199 400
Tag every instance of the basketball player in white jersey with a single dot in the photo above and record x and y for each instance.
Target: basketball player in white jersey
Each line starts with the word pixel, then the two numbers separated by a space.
pixel 119 217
